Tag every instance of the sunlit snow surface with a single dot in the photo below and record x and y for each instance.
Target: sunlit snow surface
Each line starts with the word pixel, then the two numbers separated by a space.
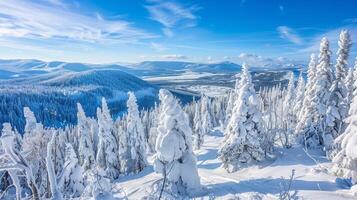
pixel 312 179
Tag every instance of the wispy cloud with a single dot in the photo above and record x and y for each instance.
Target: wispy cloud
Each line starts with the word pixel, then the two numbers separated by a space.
pixel 289 34
pixel 175 57
pixel 260 61
pixel 158 46
pixel 332 36
pixel 27 19
pixel 171 14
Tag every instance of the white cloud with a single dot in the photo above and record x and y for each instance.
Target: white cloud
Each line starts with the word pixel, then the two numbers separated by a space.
pixel 175 57
pixel 260 61
pixel 333 37
pixel 171 14
pixel 289 34
pixel 27 19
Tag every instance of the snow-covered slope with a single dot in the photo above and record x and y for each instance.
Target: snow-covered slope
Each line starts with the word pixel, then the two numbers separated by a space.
pixel 311 181
pixel 53 96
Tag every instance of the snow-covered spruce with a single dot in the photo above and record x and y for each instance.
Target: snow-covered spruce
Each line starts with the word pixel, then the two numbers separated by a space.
pixel 52 178
pixel 175 159
pixel 311 128
pixel 338 101
pixel 71 181
pixel 14 161
pixel 345 162
pixel 198 132
pixel 299 99
pixel 35 141
pixel 243 135
pixel 136 160
pixel 85 147
pixel 288 108
pixel 107 153
pixel 206 118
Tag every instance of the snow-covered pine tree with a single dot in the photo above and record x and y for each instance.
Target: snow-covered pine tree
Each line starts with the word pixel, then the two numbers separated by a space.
pixel 198 133
pixel 312 124
pixel 34 144
pixel 174 156
pixel 345 162
pixel 85 147
pixel 8 133
pixel 137 141
pixel 107 153
pixel 15 161
pixel 288 108
pixel 71 181
pixel 206 117
pixel 338 105
pixel 243 136
pixel 349 84
pixel 231 99
pixel 299 99
pixel 52 178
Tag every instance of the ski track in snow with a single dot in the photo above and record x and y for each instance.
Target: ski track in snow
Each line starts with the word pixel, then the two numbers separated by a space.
pixel 311 179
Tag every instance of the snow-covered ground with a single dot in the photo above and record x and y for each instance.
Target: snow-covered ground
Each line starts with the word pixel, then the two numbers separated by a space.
pixel 312 180
pixel 210 90
pixel 186 76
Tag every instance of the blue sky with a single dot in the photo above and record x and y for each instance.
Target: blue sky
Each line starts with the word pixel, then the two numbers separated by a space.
pixel 98 31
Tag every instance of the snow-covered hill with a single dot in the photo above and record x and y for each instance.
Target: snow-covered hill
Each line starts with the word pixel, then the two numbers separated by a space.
pixel 53 96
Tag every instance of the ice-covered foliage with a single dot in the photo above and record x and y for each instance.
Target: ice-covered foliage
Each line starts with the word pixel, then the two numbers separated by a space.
pixel 174 157
pixel 243 135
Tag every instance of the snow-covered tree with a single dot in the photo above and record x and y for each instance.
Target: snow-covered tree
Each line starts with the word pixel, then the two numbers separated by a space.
pixel 98 185
pixel 288 106
pixel 349 84
pixel 55 193
pixel 206 118
pixel 174 156
pixel 14 162
pixel 107 153
pixel 85 147
pixel 137 141
pixel 71 181
pixel 299 99
pixel 231 99
pixel 198 132
pixel 243 136
pixel 312 123
pixel 345 162
pixel 338 105
pixel 35 144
